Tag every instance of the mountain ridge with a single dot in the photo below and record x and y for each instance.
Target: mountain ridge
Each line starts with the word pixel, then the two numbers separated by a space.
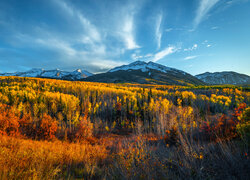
pixel 146 73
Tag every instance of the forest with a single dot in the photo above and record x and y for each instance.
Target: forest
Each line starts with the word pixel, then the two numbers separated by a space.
pixel 55 129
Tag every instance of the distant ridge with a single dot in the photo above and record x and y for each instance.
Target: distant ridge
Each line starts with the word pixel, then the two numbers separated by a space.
pixel 225 77
pixel 54 74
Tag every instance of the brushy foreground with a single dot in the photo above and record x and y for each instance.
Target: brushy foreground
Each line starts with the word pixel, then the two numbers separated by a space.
pixel 119 157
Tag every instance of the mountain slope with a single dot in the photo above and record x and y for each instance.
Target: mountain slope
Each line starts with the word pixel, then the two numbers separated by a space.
pixel 54 74
pixel 225 77
pixel 146 73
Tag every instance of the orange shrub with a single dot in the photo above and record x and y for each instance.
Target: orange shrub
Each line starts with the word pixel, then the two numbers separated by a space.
pixel 8 121
pixel 48 127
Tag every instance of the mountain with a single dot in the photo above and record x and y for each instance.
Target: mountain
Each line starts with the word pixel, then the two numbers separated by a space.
pixel 54 74
pixel 146 73
pixel 225 77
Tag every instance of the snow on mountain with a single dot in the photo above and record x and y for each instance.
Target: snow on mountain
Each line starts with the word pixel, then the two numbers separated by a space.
pixel 225 77
pixel 55 74
pixel 145 67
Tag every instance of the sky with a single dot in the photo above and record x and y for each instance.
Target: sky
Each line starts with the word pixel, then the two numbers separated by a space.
pixel 195 36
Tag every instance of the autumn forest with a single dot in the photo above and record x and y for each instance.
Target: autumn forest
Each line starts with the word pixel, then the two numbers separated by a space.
pixel 53 129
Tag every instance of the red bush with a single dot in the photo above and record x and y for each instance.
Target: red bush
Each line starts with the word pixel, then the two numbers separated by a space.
pixel 224 127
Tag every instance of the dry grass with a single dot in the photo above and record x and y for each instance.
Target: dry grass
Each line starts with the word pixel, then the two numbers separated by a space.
pixel 28 159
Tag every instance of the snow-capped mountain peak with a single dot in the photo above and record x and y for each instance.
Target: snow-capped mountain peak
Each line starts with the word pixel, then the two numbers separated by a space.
pixel 145 67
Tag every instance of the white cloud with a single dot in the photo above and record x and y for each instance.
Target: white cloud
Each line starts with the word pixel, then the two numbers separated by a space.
pixel 167 51
pixel 194 47
pixel 190 57
pixel 209 45
pixel 204 7
pixel 158 33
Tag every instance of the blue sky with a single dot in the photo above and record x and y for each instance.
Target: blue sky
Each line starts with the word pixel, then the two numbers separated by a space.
pixel 191 35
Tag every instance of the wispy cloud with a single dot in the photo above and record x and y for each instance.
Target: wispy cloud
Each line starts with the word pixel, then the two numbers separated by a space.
pixel 127 33
pixel 190 57
pixel 90 32
pixel 167 51
pixel 85 44
pixel 204 7
pixel 158 33
pixel 194 47
pixel 57 44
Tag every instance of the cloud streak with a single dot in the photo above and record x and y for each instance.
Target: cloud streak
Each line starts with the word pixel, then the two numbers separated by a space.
pixel 167 51
pixel 158 33
pixel 204 7
pixel 190 57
